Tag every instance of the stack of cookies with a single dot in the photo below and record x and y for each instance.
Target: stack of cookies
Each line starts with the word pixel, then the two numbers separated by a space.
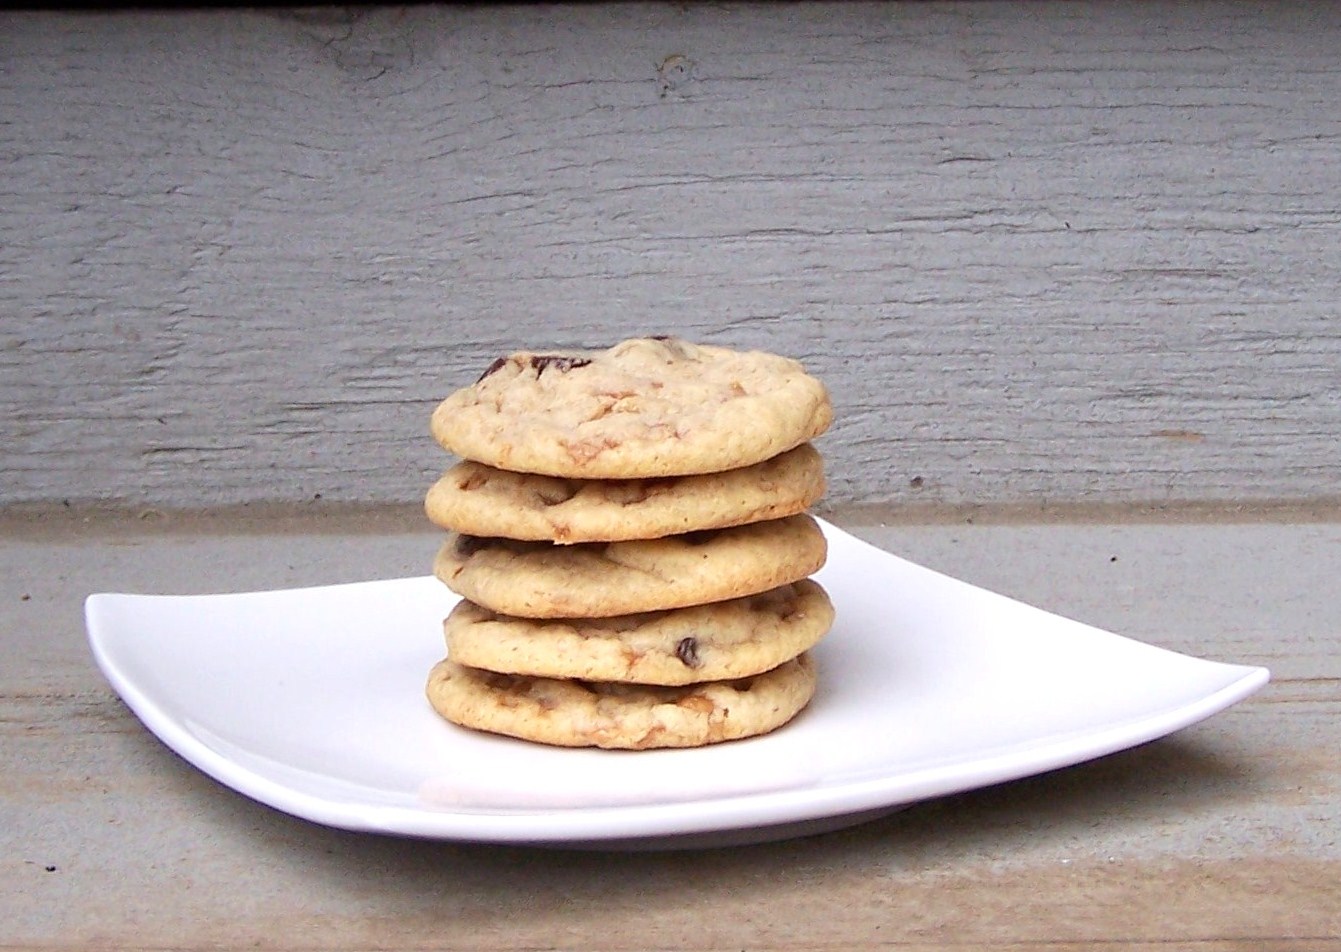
pixel 627 530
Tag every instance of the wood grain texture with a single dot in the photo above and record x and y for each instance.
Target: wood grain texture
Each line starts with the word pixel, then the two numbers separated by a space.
pixel 1057 251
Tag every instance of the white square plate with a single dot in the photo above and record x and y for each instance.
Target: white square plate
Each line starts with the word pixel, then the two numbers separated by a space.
pixel 311 701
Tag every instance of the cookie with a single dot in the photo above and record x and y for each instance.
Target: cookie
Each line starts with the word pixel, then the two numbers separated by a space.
pixel 596 580
pixel 645 408
pixel 591 714
pixel 475 499
pixel 731 639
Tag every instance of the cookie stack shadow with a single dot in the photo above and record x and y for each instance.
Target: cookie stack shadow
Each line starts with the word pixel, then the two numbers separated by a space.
pixel 648 609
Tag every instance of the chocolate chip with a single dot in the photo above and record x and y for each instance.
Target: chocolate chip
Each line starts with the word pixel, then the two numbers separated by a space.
pixel 494 368
pixel 687 651
pixel 542 362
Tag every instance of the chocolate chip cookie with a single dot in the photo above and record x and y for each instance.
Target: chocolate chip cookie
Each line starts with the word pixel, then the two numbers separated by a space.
pixel 597 580
pixel 574 713
pixel 474 499
pixel 730 639
pixel 645 408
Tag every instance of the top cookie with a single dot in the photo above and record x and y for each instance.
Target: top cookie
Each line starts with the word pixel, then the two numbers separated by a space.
pixel 647 407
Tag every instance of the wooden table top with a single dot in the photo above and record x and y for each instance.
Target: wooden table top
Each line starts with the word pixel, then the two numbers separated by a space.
pixel 1226 835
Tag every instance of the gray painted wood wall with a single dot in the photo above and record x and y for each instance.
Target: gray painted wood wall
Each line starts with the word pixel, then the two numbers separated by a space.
pixel 1062 252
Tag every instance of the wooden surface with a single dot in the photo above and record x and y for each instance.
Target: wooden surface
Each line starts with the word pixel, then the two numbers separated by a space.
pixel 1058 251
pixel 1220 837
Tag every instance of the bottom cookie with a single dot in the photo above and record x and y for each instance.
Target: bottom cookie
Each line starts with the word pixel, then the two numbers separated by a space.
pixel 569 713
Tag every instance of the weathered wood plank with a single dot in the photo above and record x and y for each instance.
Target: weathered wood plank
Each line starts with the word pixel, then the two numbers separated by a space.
pixel 1058 250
